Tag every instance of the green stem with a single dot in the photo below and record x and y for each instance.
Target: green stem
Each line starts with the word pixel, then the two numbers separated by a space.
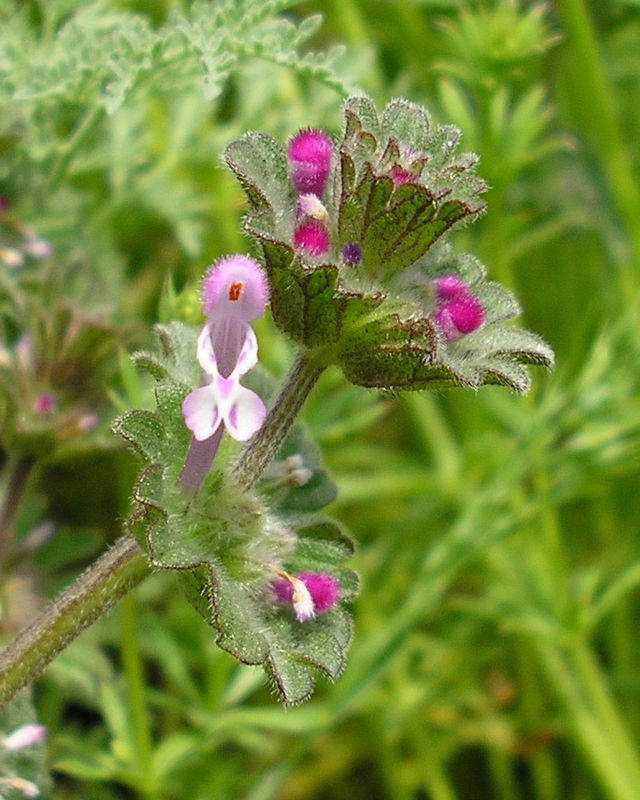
pixel 301 379
pixel 125 565
pixel 597 690
pixel 503 780
pixel 134 675
pixel 93 593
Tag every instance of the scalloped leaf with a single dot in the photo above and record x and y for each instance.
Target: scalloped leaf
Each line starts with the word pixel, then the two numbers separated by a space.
pixel 260 164
pixel 305 302
pixel 225 545
pixel 396 189
pixel 406 122
pixel 403 231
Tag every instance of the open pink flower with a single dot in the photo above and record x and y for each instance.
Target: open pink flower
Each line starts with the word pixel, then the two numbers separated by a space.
pixel 224 400
pixel 234 293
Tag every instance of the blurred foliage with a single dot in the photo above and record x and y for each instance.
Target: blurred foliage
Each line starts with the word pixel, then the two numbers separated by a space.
pixel 495 652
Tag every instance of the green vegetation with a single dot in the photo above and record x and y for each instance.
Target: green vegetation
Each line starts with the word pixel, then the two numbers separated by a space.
pixel 495 653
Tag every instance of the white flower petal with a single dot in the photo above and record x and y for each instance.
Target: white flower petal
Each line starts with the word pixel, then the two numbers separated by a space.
pixel 248 357
pixel 245 414
pixel 201 412
pixel 206 356
pixel 25 736
pixel 303 605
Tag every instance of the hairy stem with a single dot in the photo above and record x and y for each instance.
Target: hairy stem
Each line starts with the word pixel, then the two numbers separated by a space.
pixel 90 596
pixel 125 565
pixel 301 379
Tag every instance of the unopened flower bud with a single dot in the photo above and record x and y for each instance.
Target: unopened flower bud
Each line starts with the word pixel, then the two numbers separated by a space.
pixel 324 589
pixel 23 737
pixel 352 254
pixel 400 176
pixel 309 155
pixel 448 287
pixel 310 206
pixel 312 238
pixel 461 316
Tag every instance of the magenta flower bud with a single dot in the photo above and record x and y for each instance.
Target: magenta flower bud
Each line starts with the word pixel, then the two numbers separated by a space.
pixel 324 589
pixel 400 176
pixel 309 594
pixel 309 155
pixel 312 238
pixel 234 293
pixel 461 316
pixel 25 736
pixel 448 287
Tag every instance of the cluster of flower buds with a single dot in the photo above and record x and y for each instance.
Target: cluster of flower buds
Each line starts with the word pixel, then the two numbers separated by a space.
pixel 353 236
pixel 309 593
pixel 24 737
pixel 234 293
pixel 458 312
pixel 291 471
pixel 19 241
pixel 309 157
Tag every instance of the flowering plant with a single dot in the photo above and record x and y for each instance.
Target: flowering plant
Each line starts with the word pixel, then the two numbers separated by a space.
pixel 358 268
pixel 357 273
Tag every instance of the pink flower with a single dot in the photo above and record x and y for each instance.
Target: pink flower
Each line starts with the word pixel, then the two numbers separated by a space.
pixel 312 238
pixel 460 316
pixel 309 154
pixel 309 593
pixel 224 400
pixel 234 293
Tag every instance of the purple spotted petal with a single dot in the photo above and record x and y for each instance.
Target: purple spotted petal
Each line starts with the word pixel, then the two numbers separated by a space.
pixel 245 414
pixel 201 412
